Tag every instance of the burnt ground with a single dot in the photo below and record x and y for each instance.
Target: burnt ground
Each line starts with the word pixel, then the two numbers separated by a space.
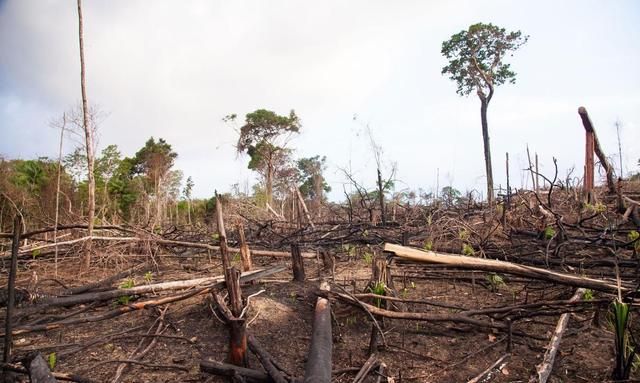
pixel 281 319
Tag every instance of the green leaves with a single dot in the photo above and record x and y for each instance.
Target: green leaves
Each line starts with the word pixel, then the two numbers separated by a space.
pixel 476 58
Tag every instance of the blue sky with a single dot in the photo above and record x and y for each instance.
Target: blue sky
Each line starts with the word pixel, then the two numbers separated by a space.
pixel 173 69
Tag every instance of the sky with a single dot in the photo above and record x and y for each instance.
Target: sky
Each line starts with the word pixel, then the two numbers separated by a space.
pixel 174 69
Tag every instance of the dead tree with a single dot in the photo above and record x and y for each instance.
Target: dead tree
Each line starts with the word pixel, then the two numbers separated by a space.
pixel 88 133
pixel 318 367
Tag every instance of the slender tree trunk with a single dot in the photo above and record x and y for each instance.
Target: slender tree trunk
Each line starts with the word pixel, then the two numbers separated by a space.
pixel 189 210
pixel 381 198
pixel 269 186
pixel 487 148
pixel 88 133
pixel 57 215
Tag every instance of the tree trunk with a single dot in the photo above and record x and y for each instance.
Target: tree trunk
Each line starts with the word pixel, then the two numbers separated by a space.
pixel 88 134
pixel 487 148
pixel 381 199
pixel 269 184
pixel 57 215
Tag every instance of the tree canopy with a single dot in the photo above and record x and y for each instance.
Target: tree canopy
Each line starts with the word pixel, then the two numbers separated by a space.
pixel 476 58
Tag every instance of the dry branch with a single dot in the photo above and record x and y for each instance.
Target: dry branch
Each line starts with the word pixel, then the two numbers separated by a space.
pixel 543 370
pixel 318 366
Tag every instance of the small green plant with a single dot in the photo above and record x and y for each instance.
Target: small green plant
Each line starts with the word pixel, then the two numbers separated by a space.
pixel 35 253
pixel 349 249
pixel 379 289
pixel 464 235
pixel 148 277
pixel 235 258
pixel 125 299
pixel 588 295
pixel 404 292
pixel 624 351
pixel 215 236
pixel 495 281
pixel 368 258
pixel 549 232
pixel 467 249
pixel 413 285
pixel 52 360
pixel 428 245
pixel 633 237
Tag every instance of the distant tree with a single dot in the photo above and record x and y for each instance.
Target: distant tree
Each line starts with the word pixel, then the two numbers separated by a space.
pixel 155 160
pixel 476 63
pixel 450 196
pixel 188 189
pixel 313 184
pixel 263 138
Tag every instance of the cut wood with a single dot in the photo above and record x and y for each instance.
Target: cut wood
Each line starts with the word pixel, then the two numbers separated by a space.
pixel 318 366
pixel 473 263
pixel 543 370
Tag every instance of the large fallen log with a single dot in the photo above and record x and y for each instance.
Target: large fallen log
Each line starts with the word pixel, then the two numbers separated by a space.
pixel 493 265
pixel 318 367
pixel 70 300
pixel 229 370
pixel 167 242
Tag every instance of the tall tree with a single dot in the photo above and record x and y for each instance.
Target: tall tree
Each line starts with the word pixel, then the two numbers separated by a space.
pixel 313 184
pixel 88 138
pixel 476 62
pixel 188 189
pixel 155 160
pixel 263 137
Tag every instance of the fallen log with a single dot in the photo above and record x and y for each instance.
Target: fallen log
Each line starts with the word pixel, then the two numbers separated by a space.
pixel 473 263
pixel 58 375
pixel 229 370
pixel 318 366
pixel 543 370
pixel 218 281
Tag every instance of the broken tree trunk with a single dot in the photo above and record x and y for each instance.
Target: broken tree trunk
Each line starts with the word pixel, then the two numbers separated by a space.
pixel 473 263
pixel 543 370
pixel 304 207
pixel 297 263
pixel 318 366
pixel 245 253
pixel 588 126
pixel 237 324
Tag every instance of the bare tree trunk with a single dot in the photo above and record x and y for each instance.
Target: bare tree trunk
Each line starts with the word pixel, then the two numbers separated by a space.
pixel 381 198
pixel 487 148
pixel 269 184
pixel 88 133
pixel 189 210
pixel 57 215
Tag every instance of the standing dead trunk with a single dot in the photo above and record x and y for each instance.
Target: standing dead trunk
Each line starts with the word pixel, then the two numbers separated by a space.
pixel 381 198
pixel 88 135
pixel 57 215
pixel 484 105
pixel 269 183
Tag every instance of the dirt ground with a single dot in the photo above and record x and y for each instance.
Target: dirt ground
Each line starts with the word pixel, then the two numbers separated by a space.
pixel 280 317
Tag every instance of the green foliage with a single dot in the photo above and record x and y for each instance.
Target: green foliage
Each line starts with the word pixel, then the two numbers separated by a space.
pixel 349 249
pixel 368 258
pixel 215 237
pixel 464 235
pixel 599 207
pixel 127 284
pixel 450 196
pixel 35 253
pixel 312 182
pixel 624 351
pixel 52 360
pixel 549 232
pixel 379 289
pixel 467 249
pixel 263 126
pixel 588 295
pixel 148 277
pixel 495 281
pixel 428 245
pixel 476 57
pixel 634 236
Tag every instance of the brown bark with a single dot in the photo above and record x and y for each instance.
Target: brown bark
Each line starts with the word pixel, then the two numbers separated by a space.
pixel 88 134
pixel 318 366
pixel 484 105
pixel 245 253
pixel 503 267
pixel 297 263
